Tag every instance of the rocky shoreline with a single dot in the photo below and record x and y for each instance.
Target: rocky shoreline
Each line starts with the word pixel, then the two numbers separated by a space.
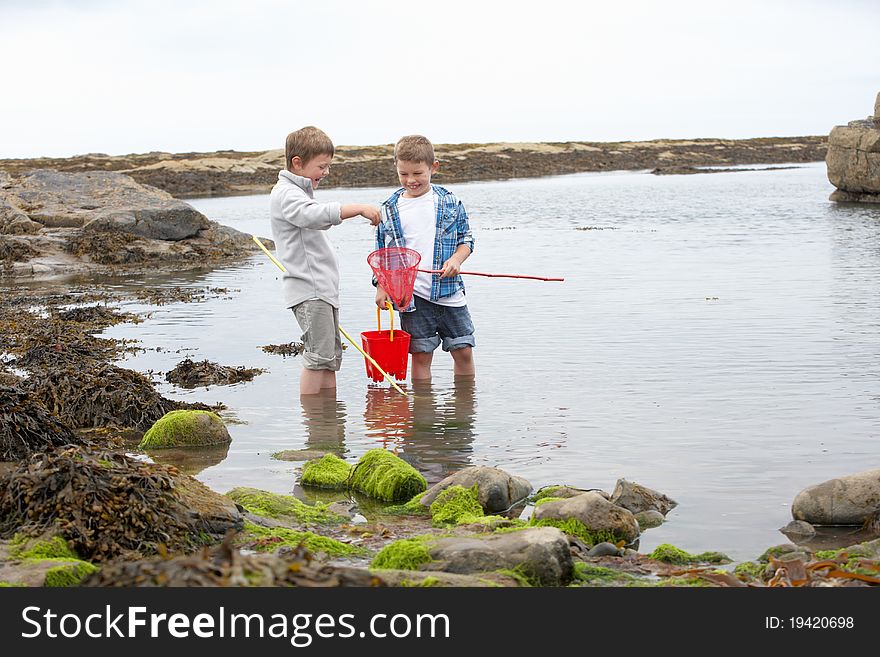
pixel 226 173
pixel 77 510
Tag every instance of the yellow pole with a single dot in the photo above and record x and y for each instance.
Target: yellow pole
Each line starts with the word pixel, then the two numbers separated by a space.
pixel 347 336
pixel 266 251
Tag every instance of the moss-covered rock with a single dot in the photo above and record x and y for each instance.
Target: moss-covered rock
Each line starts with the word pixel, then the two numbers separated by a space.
pixel 384 476
pixel 668 553
pixel 329 471
pixel 269 539
pixel 405 554
pixel 185 428
pixel 284 507
pixel 748 570
pixel 575 527
pixel 69 574
pixel 589 575
pixel 25 547
pixel 456 504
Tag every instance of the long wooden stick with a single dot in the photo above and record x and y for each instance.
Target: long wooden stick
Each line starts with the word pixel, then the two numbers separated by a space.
pixel 347 336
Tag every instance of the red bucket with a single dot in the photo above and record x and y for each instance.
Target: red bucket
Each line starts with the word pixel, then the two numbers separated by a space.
pixel 390 350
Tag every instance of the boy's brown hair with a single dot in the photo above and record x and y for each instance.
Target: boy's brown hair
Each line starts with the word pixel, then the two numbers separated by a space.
pixel 307 143
pixel 414 148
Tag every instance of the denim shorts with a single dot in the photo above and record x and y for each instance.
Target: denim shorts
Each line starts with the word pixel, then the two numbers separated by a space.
pixel 322 346
pixel 430 324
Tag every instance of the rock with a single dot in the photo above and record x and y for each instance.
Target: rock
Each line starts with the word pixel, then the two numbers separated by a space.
pixel 329 471
pixel 437 578
pixel 169 221
pixel 649 519
pixel 853 160
pixel 798 528
pixel 540 553
pixel 604 549
pixel 566 491
pixel 185 428
pixel 56 199
pixel 595 512
pixel 498 491
pixel 384 476
pixel 210 510
pixel 635 498
pixel 15 222
pixel 848 500
pixel 77 222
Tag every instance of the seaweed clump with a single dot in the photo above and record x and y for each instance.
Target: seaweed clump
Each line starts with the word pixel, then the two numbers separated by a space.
pixel 105 504
pixel 26 426
pixel 104 396
pixel 287 349
pixel 189 374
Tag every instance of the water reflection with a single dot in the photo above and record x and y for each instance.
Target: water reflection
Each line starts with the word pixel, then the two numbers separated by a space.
pixel 190 460
pixel 324 420
pixel 433 430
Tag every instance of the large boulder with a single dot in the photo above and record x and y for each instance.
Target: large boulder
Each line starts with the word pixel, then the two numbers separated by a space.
pixel 595 512
pixel 541 554
pixel 848 500
pixel 853 160
pixel 498 491
pixel 74 222
pixel 57 199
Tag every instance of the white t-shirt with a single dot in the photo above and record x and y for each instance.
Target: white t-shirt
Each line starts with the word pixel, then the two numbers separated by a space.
pixel 418 220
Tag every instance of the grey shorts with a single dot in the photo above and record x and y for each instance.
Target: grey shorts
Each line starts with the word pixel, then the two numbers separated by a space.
pixel 431 324
pixel 319 322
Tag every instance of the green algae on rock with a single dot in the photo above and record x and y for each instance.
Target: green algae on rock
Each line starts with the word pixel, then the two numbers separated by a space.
pixel 405 554
pixel 329 471
pixel 183 428
pixel 269 539
pixel 668 553
pixel 69 574
pixel 384 476
pixel 26 547
pixel 457 504
pixel 285 507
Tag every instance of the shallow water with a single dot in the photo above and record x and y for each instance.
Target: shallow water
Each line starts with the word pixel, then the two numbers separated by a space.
pixel 715 339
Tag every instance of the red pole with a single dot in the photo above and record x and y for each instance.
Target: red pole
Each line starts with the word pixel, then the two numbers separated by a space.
pixel 476 273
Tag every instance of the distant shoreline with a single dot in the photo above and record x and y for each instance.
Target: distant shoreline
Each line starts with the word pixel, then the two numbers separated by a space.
pixel 232 173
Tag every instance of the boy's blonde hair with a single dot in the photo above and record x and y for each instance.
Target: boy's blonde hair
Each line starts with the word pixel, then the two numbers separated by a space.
pixel 414 148
pixel 307 143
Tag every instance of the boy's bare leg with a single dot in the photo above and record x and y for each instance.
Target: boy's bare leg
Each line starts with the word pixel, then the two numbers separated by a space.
pixel 311 381
pixel 463 361
pixel 421 365
pixel 329 379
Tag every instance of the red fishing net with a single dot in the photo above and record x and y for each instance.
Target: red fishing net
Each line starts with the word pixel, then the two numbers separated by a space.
pixel 395 269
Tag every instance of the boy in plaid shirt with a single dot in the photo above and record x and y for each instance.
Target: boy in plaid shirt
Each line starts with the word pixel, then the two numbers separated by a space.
pixel 431 220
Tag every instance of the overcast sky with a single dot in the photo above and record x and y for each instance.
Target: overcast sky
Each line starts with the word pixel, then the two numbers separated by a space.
pixel 122 76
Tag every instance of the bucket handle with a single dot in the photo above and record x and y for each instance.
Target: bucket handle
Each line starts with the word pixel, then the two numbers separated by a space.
pixel 379 319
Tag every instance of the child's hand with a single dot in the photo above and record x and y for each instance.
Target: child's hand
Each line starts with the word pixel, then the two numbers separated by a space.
pixel 382 297
pixel 451 268
pixel 372 213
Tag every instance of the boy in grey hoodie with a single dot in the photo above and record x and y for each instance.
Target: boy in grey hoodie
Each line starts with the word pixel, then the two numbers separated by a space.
pixel 299 227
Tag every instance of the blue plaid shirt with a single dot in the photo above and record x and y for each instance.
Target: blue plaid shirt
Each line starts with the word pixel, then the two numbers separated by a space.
pixel 452 230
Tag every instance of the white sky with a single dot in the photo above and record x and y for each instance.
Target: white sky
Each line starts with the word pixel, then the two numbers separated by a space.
pixel 201 75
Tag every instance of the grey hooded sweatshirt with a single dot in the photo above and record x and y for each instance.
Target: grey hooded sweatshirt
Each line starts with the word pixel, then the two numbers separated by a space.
pixel 299 228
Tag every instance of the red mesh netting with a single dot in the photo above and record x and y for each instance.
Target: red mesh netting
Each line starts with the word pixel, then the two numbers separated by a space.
pixel 395 269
